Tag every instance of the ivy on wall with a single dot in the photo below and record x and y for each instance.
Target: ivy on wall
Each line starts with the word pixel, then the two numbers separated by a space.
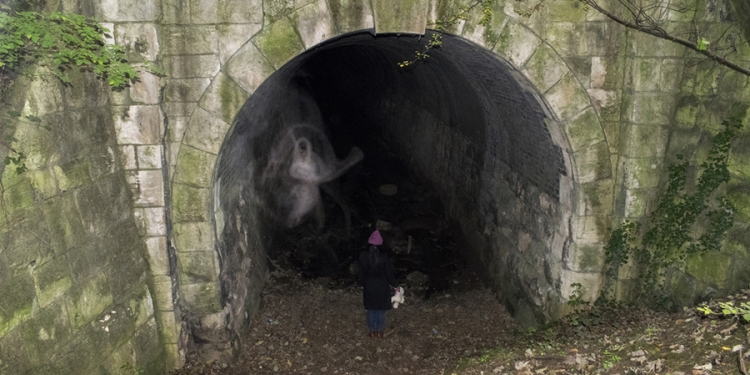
pixel 61 41
pixel 687 220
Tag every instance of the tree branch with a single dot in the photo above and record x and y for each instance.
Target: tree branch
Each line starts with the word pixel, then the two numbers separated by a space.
pixel 661 33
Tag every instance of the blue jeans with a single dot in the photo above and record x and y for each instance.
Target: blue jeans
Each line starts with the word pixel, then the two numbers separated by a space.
pixel 376 320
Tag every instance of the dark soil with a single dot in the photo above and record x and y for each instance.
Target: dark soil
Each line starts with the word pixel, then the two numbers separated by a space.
pixel 307 327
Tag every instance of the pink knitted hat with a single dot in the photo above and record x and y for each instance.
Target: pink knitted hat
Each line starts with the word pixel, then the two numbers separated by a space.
pixel 375 238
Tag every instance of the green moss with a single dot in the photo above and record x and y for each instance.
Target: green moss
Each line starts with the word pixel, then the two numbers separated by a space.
pixel 590 257
pixel 72 174
pixel 17 296
pixel 190 204
pixel 52 280
pixel 279 42
pixel 194 167
pixel 197 267
pixel 710 268
pixel 88 302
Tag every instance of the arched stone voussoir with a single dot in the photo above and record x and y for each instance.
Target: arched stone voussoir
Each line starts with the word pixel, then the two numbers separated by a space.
pixel 314 23
pixel 223 98
pixel 545 68
pixel 516 44
pixel 205 131
pixel 279 42
pixel 194 167
pixel 248 67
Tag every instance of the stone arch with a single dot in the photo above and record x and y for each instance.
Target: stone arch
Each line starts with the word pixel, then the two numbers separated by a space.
pixel 573 125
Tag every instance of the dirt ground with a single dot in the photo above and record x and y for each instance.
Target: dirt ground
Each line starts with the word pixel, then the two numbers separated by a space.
pixel 315 327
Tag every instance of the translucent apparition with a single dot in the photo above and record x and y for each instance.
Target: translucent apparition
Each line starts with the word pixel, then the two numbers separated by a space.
pixel 301 160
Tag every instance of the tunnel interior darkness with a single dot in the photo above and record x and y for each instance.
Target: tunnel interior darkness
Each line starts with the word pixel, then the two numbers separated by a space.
pixel 461 135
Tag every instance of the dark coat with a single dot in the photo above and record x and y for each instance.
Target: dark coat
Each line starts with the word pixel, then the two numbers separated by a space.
pixel 376 276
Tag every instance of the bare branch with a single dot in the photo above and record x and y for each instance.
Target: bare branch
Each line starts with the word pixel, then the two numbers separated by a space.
pixel 645 23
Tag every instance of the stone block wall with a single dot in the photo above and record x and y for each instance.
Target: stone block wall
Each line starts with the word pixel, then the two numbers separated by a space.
pixel 77 296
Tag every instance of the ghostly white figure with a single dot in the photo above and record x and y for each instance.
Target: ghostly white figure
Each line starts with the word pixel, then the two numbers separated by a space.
pixel 300 161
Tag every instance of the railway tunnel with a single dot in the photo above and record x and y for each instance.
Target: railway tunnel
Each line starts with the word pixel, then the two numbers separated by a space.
pixel 471 146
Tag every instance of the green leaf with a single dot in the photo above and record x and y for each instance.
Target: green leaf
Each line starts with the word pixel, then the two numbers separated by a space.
pixel 702 44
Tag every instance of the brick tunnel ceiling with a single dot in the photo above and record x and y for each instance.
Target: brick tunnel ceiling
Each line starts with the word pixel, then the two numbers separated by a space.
pixel 463 92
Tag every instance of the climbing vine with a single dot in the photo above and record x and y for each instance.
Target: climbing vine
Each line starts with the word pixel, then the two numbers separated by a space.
pixel 673 230
pixel 60 41
pixel 442 26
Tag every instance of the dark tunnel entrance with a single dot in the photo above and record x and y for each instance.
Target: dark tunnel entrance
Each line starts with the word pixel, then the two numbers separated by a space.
pixel 462 137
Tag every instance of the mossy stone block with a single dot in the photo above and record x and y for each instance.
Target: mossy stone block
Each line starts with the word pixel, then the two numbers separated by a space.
pixel 90 300
pixel 124 280
pixel 564 11
pixel 597 197
pixel 584 130
pixel 44 182
pixel 202 298
pixel 194 167
pixel 185 89
pixel 516 44
pixel 197 236
pixel 593 163
pixel 652 108
pixel 27 241
pixel 52 280
pixel 248 67
pixel 545 68
pixel 21 195
pixel 17 294
pixel 641 172
pixel 711 268
pixel 188 39
pixel 142 306
pixel 279 42
pixel 224 98
pixel 191 66
pixel 400 16
pixel 72 175
pixel 149 349
pixel 646 141
pixel 205 131
pixel 190 204
pixel 197 267
pixel 46 328
pixel 350 15
pixel 569 100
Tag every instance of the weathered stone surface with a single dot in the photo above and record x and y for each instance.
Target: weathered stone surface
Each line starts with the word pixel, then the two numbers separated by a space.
pixel 195 167
pixel 233 37
pixel 191 66
pixel 138 124
pixel 190 204
pixel 645 141
pixel 226 11
pixel 89 301
pixel 652 108
pixel 641 172
pixel 163 293
pixel 138 39
pixel 351 15
pixel 147 89
pixel 43 183
pixel 203 298
pixel 151 221
pixel 197 267
pixel 597 197
pixel 158 258
pixel 249 67
pixel 400 16
pixel 128 157
pixel 127 10
pixel 710 268
pixel 186 89
pixel 72 175
pixel 17 293
pixel 588 230
pixel 205 131
pixel 314 23
pixel 567 98
pixel 149 156
pixel 585 258
pixel 223 98
pixel 64 222
pixel 517 43
pixel 584 130
pixel 544 68
pixel 52 280
pixel 593 163
pixel 147 187
pixel 279 42
pixel 191 237
pixel 175 12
